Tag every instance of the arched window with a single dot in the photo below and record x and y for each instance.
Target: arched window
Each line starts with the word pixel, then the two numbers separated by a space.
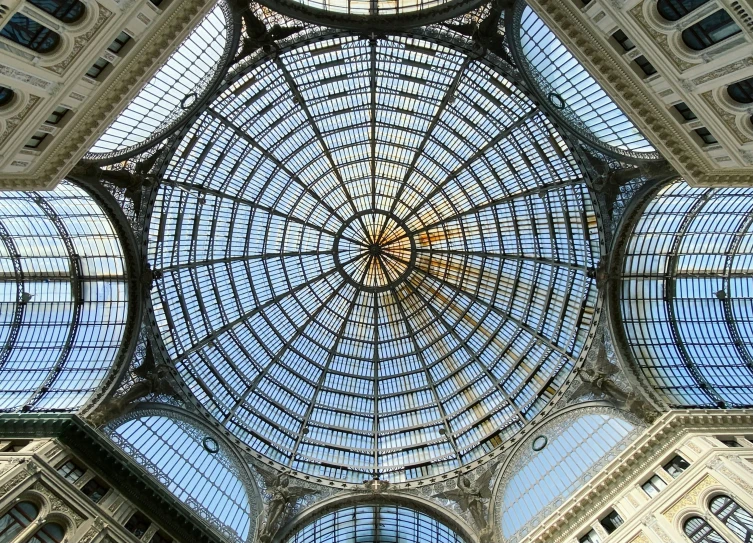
pixel 737 519
pixel 48 533
pixel 31 34
pixel 6 96
pixel 673 10
pixel 699 531
pixel 716 27
pixel 19 517
pixel 742 91
pixel 68 11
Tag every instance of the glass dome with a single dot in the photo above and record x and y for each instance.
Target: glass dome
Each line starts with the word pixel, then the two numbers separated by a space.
pixel 374 257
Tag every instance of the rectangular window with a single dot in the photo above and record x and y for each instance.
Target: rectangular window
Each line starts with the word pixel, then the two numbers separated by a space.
pixel 705 135
pixel 729 442
pixel 645 65
pixel 97 68
pixel 57 115
pixel 15 445
pixel 590 537
pixel 611 522
pixel 683 109
pixel 654 485
pixel 35 140
pixel 95 490
pixel 71 471
pixel 621 38
pixel 138 524
pixel 676 466
pixel 119 42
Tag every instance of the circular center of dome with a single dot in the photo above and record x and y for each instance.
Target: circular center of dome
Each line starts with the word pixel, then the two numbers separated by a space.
pixel 374 251
pixel 373 258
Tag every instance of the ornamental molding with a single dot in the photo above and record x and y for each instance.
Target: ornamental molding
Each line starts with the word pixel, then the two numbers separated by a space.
pixel 634 98
pixel 57 505
pixel 67 149
pixel 661 438
pixel 79 42
pixel 13 122
pixel 690 498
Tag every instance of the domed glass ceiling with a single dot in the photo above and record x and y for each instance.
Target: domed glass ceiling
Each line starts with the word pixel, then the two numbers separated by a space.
pixel 374 257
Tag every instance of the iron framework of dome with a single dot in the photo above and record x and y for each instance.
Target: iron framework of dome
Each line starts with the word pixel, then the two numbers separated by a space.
pixel 374 258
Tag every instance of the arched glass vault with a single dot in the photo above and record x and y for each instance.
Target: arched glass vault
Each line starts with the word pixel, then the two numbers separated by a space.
pixel 375 523
pixel 685 295
pixel 374 257
pixel 63 298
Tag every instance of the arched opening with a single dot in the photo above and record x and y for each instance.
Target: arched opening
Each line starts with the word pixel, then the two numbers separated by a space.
pixel 30 34
pixel 711 30
pixel 742 91
pixel 672 10
pixel 700 531
pixel 734 516
pixel 51 532
pixel 19 517
pixel 68 11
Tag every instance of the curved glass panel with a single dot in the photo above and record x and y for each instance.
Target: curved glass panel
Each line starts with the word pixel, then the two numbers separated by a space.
pixel 68 11
pixel 742 91
pixel 366 274
pixel 543 480
pixel 716 27
pixel 686 301
pixel 63 298
pixel 736 518
pixel 176 454
pixel 699 531
pixel 19 517
pixel 672 10
pixel 173 89
pixel 31 34
pixel 375 524
pixel 551 61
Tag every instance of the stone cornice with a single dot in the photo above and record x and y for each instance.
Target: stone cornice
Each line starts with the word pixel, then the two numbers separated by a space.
pixel 68 148
pixel 632 95
pixel 665 434
pixel 115 467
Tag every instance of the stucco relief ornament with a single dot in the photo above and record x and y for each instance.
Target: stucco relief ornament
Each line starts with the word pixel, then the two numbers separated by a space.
pixel 472 496
pixel 376 485
pixel 281 497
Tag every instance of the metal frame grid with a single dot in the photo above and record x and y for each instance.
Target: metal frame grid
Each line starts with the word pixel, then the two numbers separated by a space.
pixel 585 104
pixel 371 7
pixel 180 83
pixel 339 362
pixel 64 298
pixel 375 524
pixel 173 452
pixel 700 531
pixel 686 295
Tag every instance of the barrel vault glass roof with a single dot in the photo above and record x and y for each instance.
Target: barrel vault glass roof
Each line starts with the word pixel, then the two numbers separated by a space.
pixel 63 298
pixel 375 523
pixel 686 295
pixel 374 257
